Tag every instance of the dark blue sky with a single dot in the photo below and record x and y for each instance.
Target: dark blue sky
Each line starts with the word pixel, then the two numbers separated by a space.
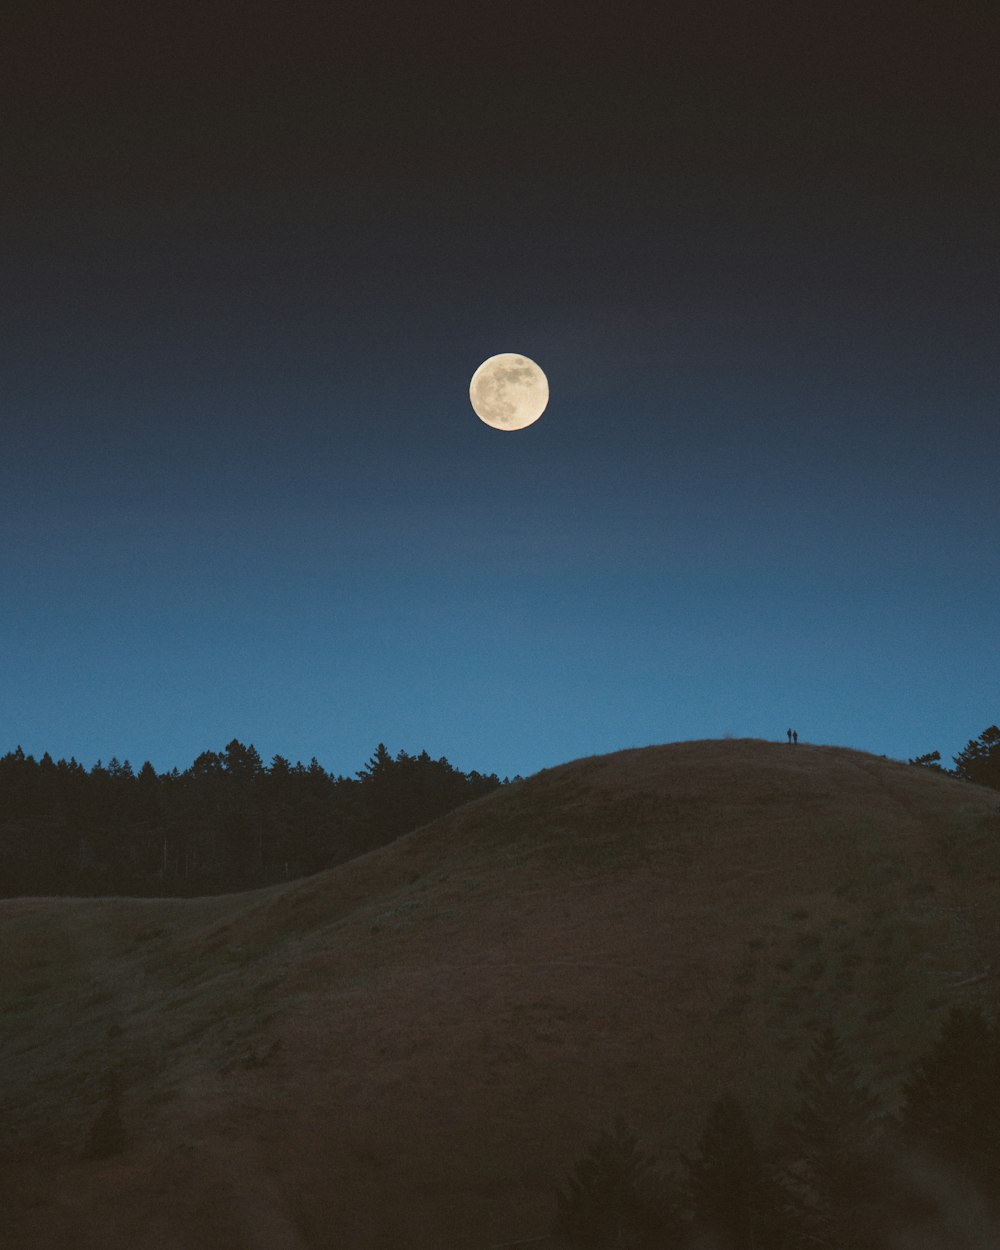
pixel 249 270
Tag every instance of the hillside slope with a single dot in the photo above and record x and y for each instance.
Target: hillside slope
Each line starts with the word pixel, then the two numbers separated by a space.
pixel 411 1050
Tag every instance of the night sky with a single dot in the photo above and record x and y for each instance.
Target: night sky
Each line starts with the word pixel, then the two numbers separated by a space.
pixel 250 264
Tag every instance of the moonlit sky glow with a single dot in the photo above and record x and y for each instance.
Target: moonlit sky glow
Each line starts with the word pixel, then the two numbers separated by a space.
pixel 247 277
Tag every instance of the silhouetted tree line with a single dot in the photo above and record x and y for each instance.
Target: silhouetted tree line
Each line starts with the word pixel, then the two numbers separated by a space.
pixel 229 822
pixel 840 1171
pixel 979 761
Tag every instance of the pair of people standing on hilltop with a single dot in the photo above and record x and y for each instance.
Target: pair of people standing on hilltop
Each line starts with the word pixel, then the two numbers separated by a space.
pixel 793 737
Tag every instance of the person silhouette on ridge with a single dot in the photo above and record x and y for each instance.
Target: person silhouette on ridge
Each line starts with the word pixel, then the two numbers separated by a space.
pixel 789 737
pixel 795 737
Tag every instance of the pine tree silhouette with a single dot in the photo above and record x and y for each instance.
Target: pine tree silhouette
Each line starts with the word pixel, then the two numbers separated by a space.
pixel 830 1148
pixel 616 1197
pixel 952 1098
pixel 735 1199
pixel 979 761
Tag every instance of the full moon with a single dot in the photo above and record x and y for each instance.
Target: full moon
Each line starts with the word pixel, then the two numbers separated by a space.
pixel 509 391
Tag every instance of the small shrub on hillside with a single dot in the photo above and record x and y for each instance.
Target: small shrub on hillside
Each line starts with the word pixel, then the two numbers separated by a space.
pixel 107 1134
pixel 931 760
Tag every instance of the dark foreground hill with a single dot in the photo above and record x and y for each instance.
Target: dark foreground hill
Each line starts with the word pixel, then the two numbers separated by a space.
pixel 411 1049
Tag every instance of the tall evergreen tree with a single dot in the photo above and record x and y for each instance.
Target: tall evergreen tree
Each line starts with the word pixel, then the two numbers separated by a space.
pixel 734 1197
pixel 240 762
pixel 830 1149
pixel 616 1197
pixel 379 767
pixel 952 1099
pixel 980 760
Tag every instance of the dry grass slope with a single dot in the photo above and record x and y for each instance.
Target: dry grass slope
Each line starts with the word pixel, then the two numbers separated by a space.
pixel 410 1050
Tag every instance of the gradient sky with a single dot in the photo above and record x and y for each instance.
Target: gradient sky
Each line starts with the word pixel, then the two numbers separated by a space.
pixel 249 267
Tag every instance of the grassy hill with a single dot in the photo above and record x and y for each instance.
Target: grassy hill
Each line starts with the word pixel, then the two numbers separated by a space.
pixel 411 1049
